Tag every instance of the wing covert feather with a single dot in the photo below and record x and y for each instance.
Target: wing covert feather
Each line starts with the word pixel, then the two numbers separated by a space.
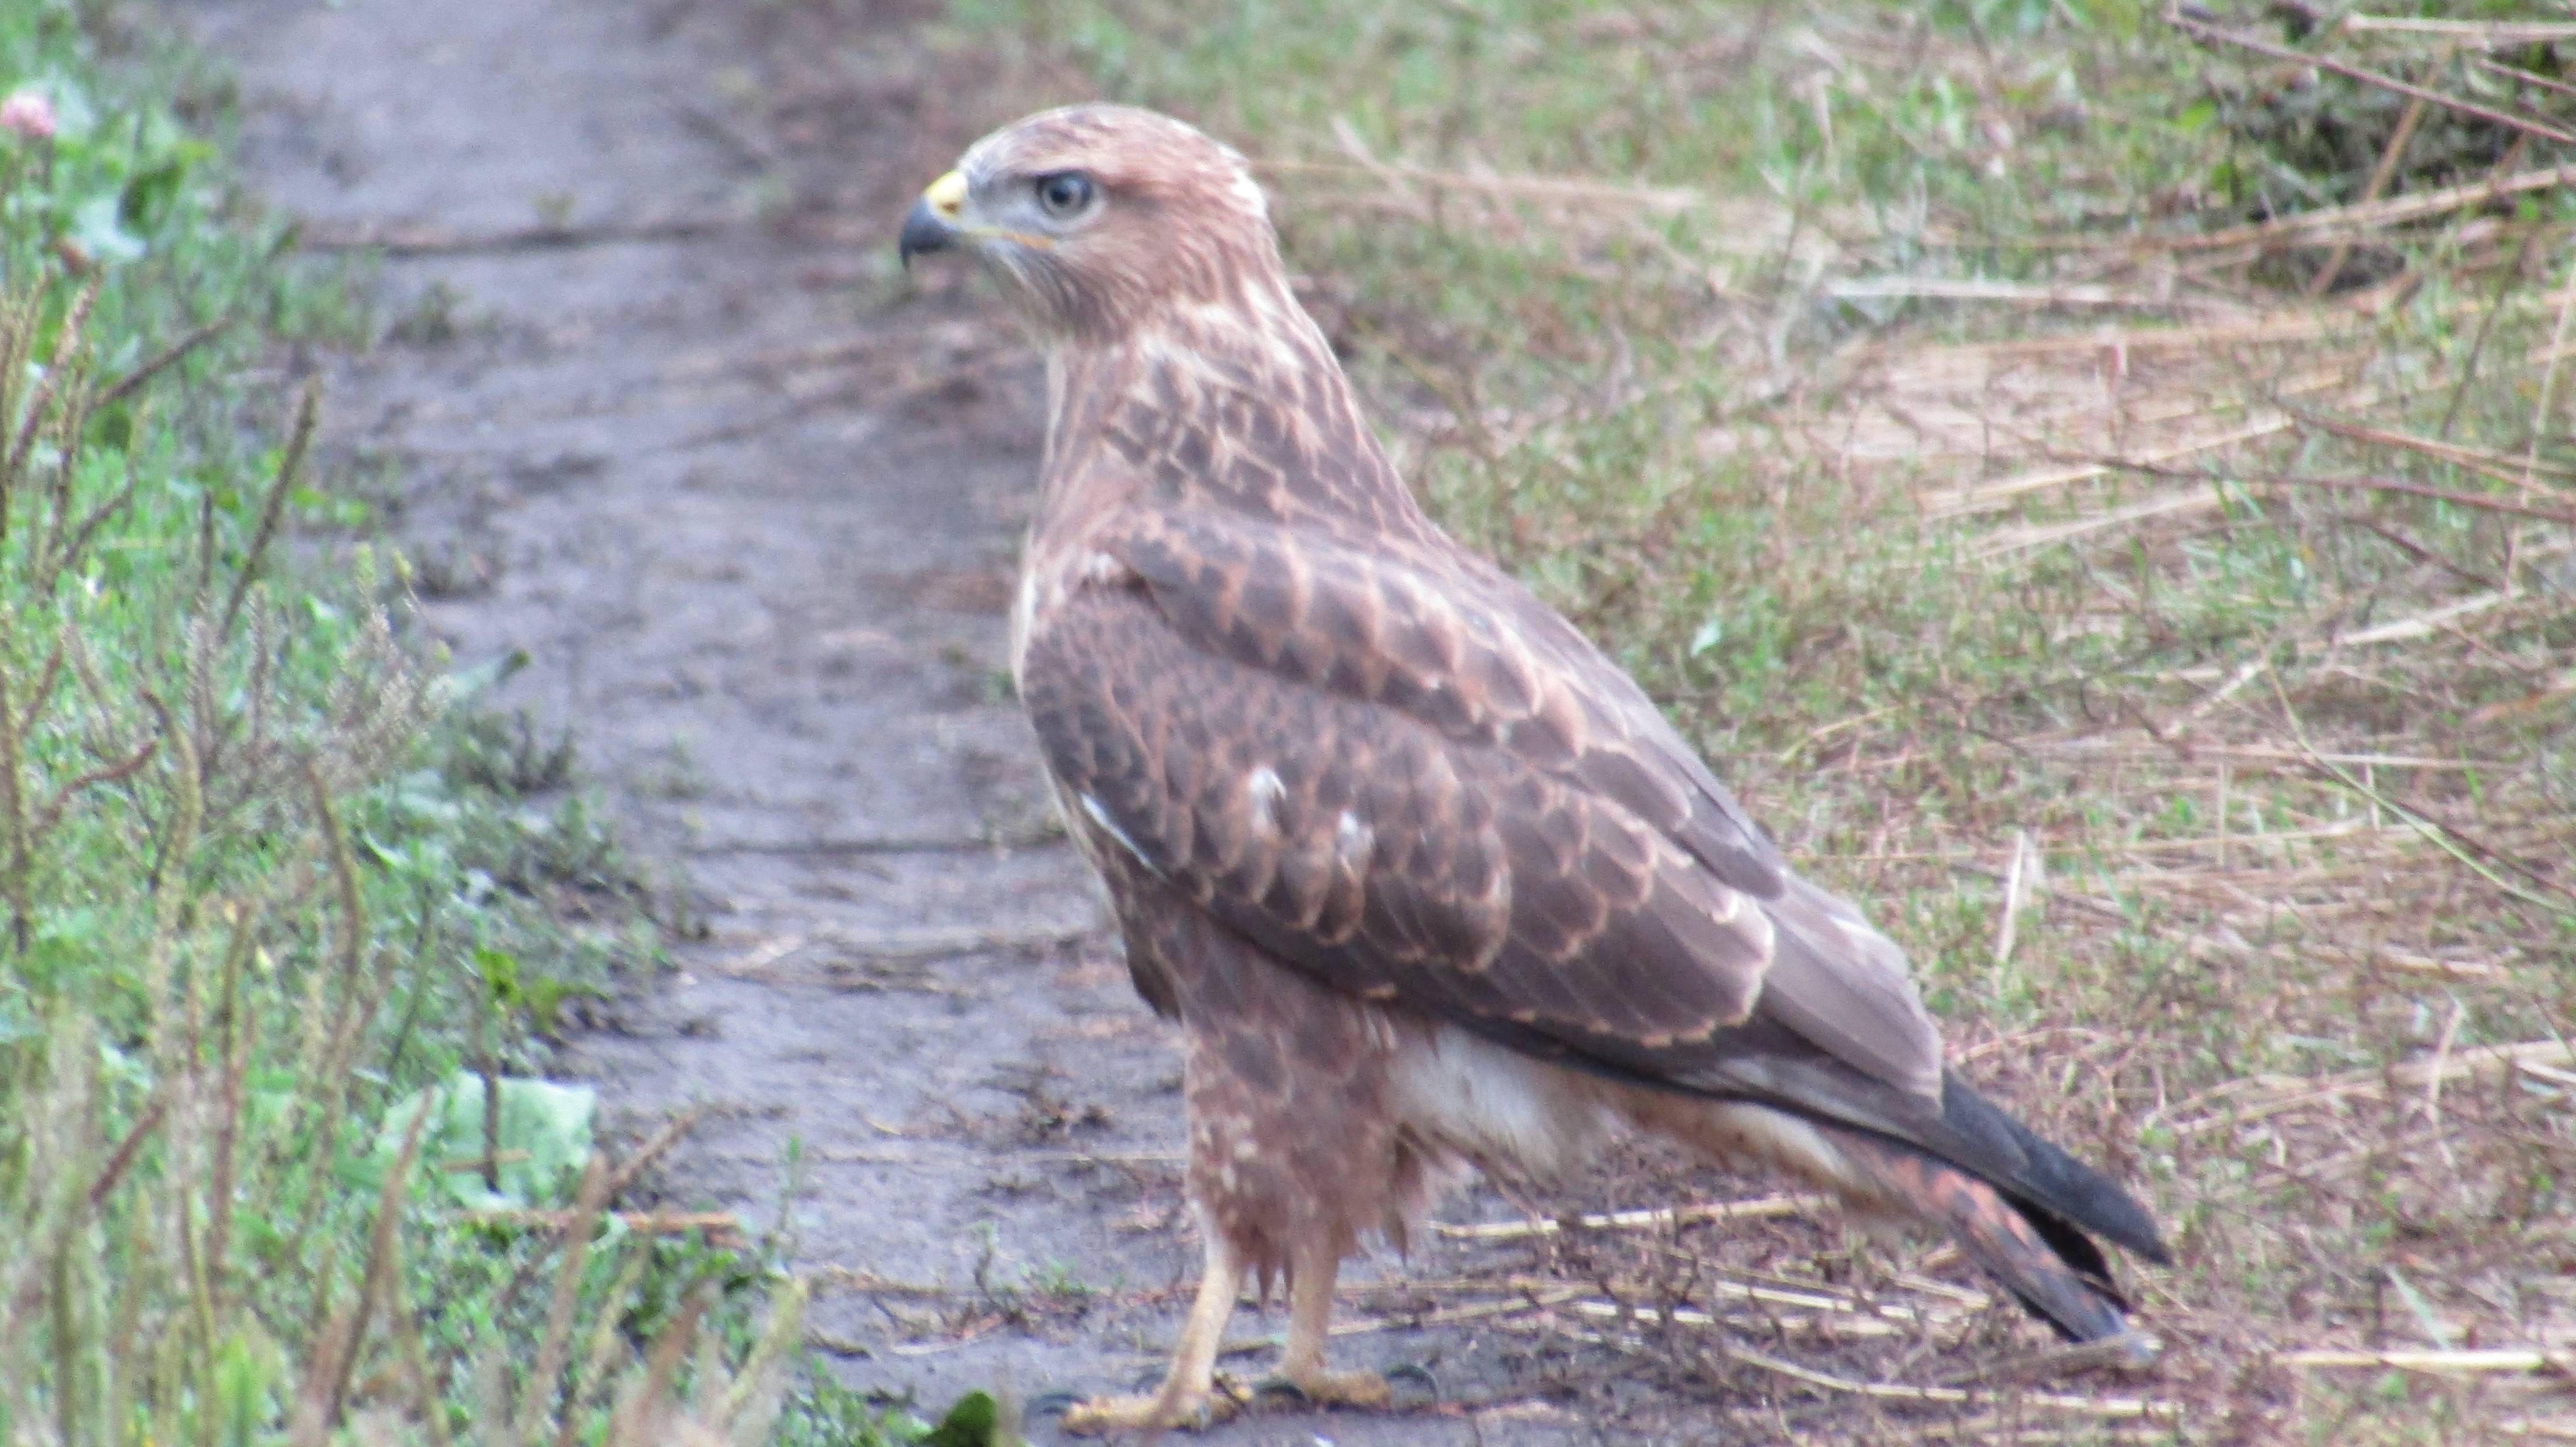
pixel 1360 843
pixel 1465 805
pixel 1467 651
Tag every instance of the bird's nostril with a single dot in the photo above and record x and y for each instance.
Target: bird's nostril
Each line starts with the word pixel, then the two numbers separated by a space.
pixel 946 196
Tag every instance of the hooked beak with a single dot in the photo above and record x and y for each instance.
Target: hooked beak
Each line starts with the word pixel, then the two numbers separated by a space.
pixel 931 224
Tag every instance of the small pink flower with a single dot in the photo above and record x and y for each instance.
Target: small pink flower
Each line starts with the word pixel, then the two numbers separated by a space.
pixel 27 115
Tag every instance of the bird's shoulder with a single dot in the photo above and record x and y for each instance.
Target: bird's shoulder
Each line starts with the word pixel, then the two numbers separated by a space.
pixel 1422 627
pixel 1260 713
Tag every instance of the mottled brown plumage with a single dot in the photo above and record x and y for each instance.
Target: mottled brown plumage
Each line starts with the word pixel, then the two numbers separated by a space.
pixel 1425 877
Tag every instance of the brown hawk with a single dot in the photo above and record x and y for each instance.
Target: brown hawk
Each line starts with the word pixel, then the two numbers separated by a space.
pixel 1426 879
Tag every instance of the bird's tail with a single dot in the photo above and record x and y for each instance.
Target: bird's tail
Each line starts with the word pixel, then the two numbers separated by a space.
pixel 2020 1207
pixel 2048 1265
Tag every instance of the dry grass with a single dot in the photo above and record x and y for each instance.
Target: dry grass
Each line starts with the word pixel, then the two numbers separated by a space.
pixel 2104 492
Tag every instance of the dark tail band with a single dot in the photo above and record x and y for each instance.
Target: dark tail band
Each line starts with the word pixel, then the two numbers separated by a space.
pixel 2056 1273
pixel 2048 1178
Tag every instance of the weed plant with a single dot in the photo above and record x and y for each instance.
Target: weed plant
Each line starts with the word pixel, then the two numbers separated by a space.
pixel 282 938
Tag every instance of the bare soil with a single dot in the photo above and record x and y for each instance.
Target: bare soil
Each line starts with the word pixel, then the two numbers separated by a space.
pixel 663 418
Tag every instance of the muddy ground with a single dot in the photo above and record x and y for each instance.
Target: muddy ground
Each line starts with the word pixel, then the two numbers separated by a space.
pixel 666 420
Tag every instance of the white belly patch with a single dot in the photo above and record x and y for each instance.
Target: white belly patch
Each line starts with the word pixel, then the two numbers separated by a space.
pixel 1510 1113
pixel 1500 1109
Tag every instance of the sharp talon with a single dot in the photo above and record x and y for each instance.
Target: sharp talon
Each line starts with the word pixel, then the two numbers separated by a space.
pixel 1054 1403
pixel 1414 1372
pixel 1280 1387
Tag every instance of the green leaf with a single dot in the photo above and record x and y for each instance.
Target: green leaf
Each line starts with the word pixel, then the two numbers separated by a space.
pixel 75 117
pixel 544 1000
pixel 99 226
pixel 971 1423
pixel 152 192
pixel 500 970
pixel 1707 637
pixel 482 677
pixel 249 1371
pixel 545 1138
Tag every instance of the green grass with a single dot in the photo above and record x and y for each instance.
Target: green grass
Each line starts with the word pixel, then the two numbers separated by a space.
pixel 269 889
pixel 1649 301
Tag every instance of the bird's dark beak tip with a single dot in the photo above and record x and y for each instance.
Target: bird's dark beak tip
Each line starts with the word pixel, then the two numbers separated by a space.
pixel 923 231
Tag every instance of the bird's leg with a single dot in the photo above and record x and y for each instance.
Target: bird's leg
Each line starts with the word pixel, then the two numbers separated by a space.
pixel 1310 1318
pixel 1185 1398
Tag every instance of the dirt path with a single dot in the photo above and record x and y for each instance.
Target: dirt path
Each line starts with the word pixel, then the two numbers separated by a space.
pixel 750 508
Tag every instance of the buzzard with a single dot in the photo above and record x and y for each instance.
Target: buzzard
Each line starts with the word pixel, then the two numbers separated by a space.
pixel 1428 882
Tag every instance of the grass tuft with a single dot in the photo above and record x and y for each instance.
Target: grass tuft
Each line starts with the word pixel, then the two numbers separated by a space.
pixel 283 933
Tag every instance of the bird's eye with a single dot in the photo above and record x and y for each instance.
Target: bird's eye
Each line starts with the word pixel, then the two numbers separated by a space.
pixel 1065 193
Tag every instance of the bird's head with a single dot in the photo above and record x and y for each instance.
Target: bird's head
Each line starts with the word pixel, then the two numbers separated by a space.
pixel 1097 218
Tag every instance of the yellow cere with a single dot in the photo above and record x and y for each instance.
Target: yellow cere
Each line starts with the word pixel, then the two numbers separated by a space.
pixel 947 195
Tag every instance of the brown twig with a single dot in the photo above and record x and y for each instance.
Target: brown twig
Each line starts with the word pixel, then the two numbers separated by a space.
pixel 2301 1093
pixel 2114 1407
pixel 2324 280
pixel 1977 289
pixel 273 507
pixel 2486 324
pixel 2449 838
pixel 2489 1359
pixel 2350 484
pixel 336 1357
pixel 123 1159
pixel 2203 30
pixel 637 1417
pixel 2492 464
pixel 111 772
pixel 663 1139
pixel 41 401
pixel 397 239
pixel 2498 33
pixel 1763 1208
pixel 2376 215
pixel 488 1062
pixel 546 1381
pixel 2523 77
pixel 888 844
pixel 2548 388
pixel 119 389
pixel 649 1223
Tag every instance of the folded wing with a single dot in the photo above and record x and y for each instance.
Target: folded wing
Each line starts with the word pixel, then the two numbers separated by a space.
pixel 1416 781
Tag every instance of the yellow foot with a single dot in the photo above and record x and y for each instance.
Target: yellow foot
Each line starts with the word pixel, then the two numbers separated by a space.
pixel 1365 1390
pixel 1162 1411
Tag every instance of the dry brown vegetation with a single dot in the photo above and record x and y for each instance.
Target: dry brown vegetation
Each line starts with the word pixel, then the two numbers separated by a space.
pixel 2100 482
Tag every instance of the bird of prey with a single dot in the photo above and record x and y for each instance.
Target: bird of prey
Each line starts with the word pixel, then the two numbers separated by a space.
pixel 1426 879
